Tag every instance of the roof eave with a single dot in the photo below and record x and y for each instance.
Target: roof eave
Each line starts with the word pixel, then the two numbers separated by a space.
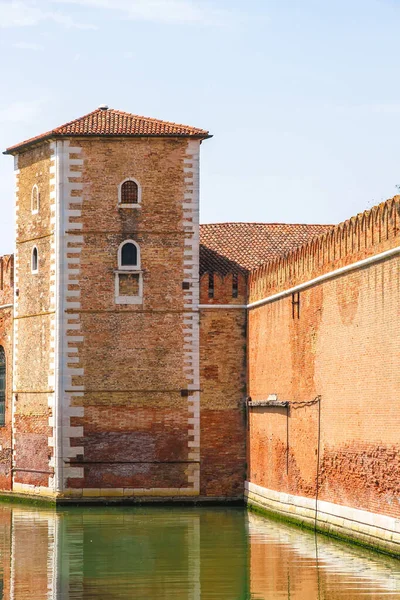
pixel 12 150
pixel 35 142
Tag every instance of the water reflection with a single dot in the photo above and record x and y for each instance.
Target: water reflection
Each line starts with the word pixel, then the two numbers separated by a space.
pixel 286 562
pixel 179 553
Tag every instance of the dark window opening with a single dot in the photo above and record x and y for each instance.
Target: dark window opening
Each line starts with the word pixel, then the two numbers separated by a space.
pixel 129 255
pixel 129 192
pixel 35 260
pixel 35 199
pixel 211 285
pixel 296 305
pixel 235 288
pixel 2 387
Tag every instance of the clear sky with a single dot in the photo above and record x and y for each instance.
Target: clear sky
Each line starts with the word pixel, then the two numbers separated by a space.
pixel 301 95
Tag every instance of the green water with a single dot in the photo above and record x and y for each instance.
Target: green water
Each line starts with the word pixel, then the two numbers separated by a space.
pixel 179 553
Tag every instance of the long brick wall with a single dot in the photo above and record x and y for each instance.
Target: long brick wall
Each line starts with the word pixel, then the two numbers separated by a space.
pixel 330 351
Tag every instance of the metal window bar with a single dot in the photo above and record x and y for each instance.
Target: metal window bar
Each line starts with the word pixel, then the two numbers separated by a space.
pixel 129 193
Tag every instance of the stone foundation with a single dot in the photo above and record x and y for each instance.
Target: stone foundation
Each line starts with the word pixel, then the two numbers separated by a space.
pixel 366 528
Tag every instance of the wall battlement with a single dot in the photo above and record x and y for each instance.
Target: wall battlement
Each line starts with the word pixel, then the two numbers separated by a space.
pixel 6 279
pixel 364 235
pixel 219 289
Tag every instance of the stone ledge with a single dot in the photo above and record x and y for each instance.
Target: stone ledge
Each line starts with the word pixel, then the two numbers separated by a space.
pixel 301 511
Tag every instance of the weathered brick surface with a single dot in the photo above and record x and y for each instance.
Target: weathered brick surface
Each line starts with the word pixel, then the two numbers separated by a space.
pixel 129 373
pixel 223 385
pixel 6 340
pixel 344 347
pixel 130 359
pixel 34 317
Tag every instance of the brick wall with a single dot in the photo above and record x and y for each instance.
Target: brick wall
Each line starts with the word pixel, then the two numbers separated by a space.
pixel 34 322
pixel 125 377
pixel 130 425
pixel 344 347
pixel 223 385
pixel 6 341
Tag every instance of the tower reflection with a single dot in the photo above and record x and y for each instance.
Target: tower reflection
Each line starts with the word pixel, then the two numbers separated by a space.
pixel 181 553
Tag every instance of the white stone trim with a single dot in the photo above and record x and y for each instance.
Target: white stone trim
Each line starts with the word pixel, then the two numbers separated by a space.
pixel 372 528
pixel 33 490
pixel 132 268
pixel 68 194
pixel 223 306
pixel 16 321
pixel 191 299
pixel 131 205
pixel 128 299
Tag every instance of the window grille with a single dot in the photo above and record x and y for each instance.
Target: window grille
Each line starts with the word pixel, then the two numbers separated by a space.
pixel 129 192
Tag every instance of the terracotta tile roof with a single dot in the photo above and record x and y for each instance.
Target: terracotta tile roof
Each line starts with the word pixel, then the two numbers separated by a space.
pixel 240 247
pixel 109 122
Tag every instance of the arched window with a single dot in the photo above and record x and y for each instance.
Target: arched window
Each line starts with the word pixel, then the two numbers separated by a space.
pixel 35 260
pixel 35 199
pixel 129 193
pixel 129 256
pixel 2 387
pixel 129 277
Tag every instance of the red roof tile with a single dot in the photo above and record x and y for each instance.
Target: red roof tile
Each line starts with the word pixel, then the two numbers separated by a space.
pixel 240 247
pixel 110 122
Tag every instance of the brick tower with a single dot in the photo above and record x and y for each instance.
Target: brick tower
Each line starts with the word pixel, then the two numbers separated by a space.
pixel 106 395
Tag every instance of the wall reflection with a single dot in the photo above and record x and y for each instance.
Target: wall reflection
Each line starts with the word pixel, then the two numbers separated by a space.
pixel 180 553
pixel 288 562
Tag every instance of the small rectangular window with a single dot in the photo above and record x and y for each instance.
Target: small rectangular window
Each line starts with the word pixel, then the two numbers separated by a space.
pixel 235 288
pixel 211 285
pixel 296 305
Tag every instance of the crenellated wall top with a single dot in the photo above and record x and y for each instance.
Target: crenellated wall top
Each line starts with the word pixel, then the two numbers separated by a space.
pixel 367 234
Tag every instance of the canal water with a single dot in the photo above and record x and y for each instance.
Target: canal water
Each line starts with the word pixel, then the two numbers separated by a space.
pixel 144 553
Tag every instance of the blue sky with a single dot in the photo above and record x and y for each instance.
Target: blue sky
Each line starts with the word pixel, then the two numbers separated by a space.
pixel 301 96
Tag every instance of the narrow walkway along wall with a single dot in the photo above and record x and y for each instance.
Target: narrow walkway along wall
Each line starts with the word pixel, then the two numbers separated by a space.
pixel 329 352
